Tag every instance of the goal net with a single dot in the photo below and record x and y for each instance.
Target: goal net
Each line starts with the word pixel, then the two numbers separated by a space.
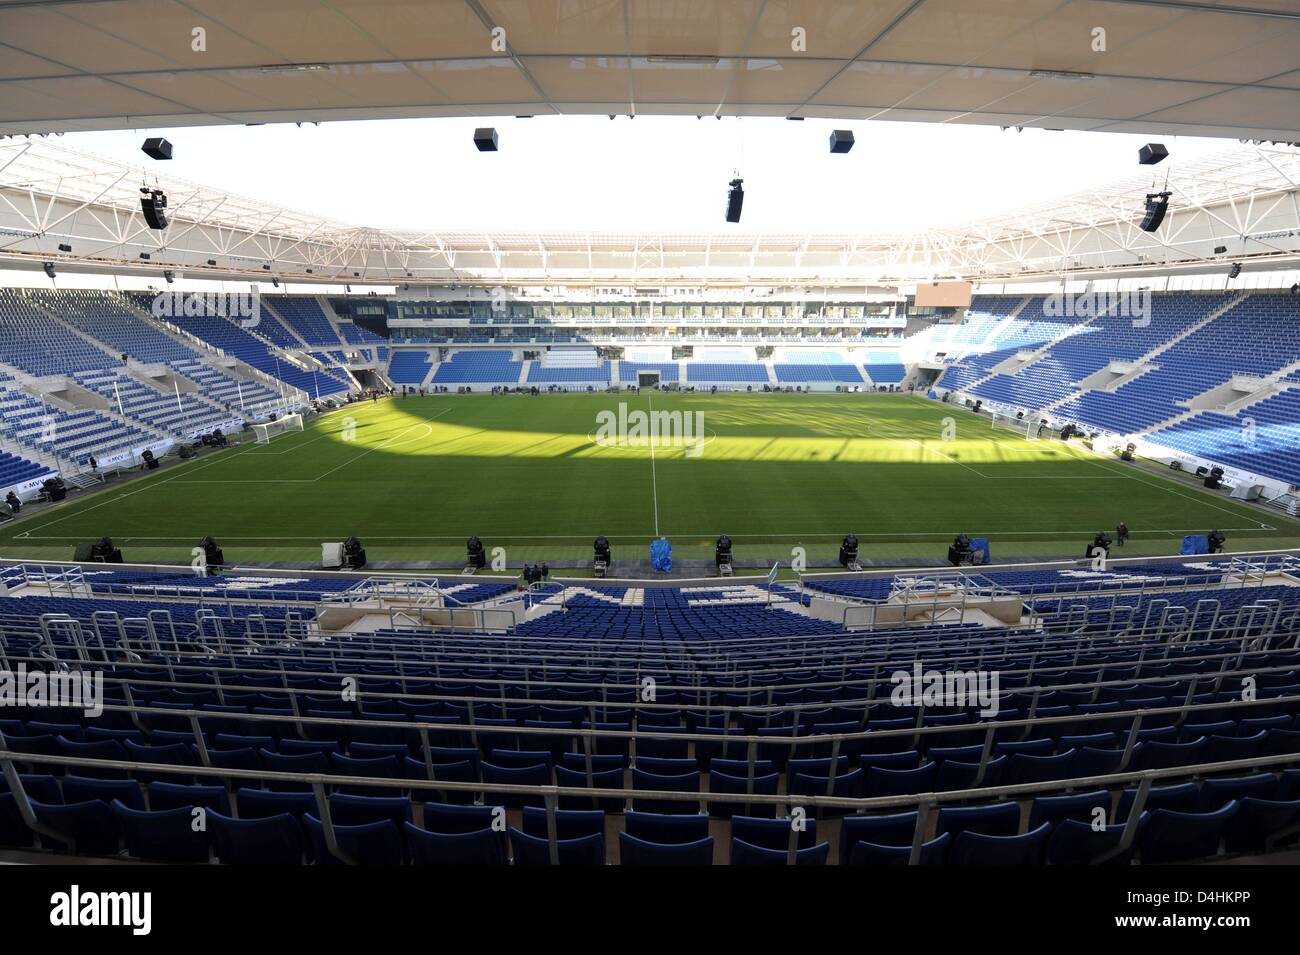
pixel 265 432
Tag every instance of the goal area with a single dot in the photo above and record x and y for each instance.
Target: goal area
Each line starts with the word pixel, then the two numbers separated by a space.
pixel 271 429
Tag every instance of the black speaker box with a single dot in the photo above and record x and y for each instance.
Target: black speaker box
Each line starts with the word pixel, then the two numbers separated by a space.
pixel 1152 153
pixel 1156 208
pixel 154 207
pixel 735 200
pixel 157 148
pixel 841 140
pixel 82 554
pixel 485 138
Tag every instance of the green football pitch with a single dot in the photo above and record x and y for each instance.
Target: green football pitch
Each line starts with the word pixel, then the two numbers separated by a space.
pixel 538 476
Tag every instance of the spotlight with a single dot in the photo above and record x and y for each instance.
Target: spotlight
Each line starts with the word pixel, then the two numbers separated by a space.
pixel 103 552
pixel 735 199
pixel 157 148
pixel 849 552
pixel 354 555
pixel 722 556
pixel 475 556
pixel 213 558
pixel 1152 153
pixel 64 247
pixel 170 276
pixel 1102 541
pixel 1235 270
pixel 601 559
pixel 153 203
pixel 146 256
pixel 266 268
pixel 1216 541
pixel 1220 249
pixel 485 138
pixel 49 269
pixel 1157 206
pixel 960 552
pixel 212 261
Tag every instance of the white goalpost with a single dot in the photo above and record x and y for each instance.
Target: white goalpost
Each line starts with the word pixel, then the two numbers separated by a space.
pixel 270 429
pixel 1026 427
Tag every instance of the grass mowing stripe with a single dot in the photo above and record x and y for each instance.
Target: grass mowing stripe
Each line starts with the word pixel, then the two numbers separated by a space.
pixel 525 473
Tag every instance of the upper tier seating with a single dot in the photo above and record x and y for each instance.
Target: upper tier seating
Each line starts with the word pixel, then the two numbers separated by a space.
pixel 305 316
pixel 110 320
pixel 1257 336
pixel 230 337
pixel 39 345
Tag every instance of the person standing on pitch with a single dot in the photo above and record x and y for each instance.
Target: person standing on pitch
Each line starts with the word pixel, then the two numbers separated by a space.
pixel 1121 533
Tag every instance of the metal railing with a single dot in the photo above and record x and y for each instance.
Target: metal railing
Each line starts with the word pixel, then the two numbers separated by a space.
pixel 925 804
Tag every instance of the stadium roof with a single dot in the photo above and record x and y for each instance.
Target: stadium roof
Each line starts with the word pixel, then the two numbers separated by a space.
pixel 1245 198
pixel 1191 67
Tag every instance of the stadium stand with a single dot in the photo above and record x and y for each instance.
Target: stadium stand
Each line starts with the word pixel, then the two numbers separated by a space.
pixel 627 371
pixel 179 413
pixel 479 367
pixel 734 373
pixel 779 706
pixel 38 344
pixel 304 315
pixel 1262 439
pixel 222 333
pixel 75 435
pixel 409 366
pixel 15 470
pixel 569 366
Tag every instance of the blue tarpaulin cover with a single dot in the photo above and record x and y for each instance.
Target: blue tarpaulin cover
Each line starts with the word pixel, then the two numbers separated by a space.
pixel 1196 544
pixel 980 545
pixel 661 555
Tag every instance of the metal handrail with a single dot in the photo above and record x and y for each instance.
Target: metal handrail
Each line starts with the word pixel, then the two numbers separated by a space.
pixel 638 666
pixel 925 803
pixel 177 661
